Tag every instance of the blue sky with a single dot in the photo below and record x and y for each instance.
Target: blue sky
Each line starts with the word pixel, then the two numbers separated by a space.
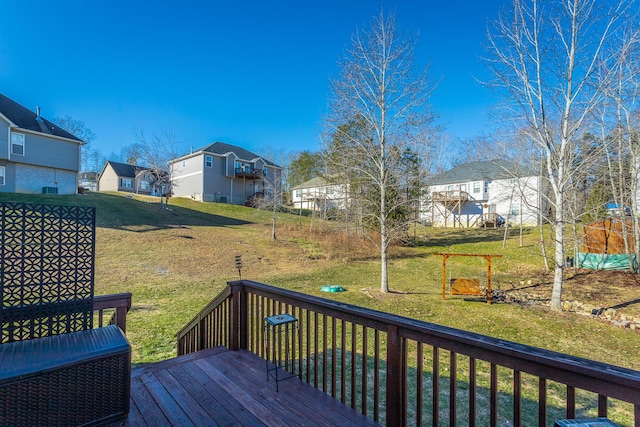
pixel 249 73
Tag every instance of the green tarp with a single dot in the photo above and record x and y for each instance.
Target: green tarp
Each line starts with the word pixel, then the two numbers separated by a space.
pixel 605 261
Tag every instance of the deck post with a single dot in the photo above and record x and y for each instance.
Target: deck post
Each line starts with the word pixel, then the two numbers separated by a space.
pixel 236 292
pixel 120 302
pixel 395 378
pixel 243 320
pixel 202 333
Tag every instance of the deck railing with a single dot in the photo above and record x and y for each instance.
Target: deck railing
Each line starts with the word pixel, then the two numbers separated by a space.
pixel 402 371
pixel 450 196
pixel 112 307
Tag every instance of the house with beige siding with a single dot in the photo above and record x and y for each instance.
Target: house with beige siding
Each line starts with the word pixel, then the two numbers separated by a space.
pixel 117 176
pixel 36 156
pixel 224 173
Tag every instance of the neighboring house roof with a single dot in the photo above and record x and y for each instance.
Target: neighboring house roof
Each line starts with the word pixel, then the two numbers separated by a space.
pixel 486 170
pixel 26 119
pixel 125 170
pixel 220 148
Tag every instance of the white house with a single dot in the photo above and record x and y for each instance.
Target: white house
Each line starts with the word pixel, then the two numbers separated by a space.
pixel 484 192
pixel 318 194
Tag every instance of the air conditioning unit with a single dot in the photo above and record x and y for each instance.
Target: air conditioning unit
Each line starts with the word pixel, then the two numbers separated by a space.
pixel 49 190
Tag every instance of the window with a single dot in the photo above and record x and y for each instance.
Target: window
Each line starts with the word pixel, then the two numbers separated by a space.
pixel 144 185
pixel 476 187
pixel 2 171
pixel 515 211
pixel 298 194
pixel 17 144
pixel 486 187
pixel 125 183
pixel 450 187
pixel 208 161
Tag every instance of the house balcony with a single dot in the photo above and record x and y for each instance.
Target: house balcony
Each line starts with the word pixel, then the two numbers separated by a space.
pixel 248 172
pixel 450 196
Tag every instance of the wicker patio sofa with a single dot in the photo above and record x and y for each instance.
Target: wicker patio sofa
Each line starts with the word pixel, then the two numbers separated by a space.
pixel 55 369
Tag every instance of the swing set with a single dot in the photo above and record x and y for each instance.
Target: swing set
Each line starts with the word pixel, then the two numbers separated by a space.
pixel 466 286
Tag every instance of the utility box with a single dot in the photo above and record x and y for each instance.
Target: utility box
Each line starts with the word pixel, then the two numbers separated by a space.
pixel 49 190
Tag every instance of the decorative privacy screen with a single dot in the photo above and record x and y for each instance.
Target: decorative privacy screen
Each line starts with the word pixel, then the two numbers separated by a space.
pixel 46 269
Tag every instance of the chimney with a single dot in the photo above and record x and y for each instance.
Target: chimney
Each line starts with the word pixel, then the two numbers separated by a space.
pixel 41 123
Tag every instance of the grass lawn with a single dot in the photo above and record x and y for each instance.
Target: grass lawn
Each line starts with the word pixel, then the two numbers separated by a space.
pixel 175 260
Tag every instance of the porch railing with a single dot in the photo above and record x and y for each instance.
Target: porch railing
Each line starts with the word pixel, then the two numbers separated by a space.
pixel 402 371
pixel 113 308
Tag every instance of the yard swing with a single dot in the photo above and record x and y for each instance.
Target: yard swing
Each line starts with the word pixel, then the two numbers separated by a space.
pixel 464 285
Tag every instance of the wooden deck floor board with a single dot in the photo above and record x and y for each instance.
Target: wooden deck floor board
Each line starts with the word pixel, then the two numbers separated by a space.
pixel 276 403
pixel 196 413
pixel 209 399
pixel 147 406
pixel 230 388
pixel 320 410
pixel 135 418
pixel 252 402
pixel 171 409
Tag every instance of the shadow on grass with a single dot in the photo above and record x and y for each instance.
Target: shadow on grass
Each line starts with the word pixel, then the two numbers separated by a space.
pixel 626 304
pixel 127 213
pixel 461 236
pixel 457 236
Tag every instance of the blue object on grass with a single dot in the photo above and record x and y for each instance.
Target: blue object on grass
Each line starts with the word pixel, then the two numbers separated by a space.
pixel 332 288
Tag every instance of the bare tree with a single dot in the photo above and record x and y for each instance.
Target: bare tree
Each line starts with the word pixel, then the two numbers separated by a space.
pixel 270 198
pixel 155 153
pixel 547 56
pixel 132 154
pixel 380 85
pixel 90 157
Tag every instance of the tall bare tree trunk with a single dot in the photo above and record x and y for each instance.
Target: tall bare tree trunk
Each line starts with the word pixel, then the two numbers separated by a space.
pixel 553 59
pixel 378 110
pixel 558 271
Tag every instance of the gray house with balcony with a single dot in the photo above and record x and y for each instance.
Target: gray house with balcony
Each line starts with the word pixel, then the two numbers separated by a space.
pixel 36 156
pixel 224 173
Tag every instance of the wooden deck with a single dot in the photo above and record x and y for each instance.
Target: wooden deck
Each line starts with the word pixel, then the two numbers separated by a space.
pixel 222 387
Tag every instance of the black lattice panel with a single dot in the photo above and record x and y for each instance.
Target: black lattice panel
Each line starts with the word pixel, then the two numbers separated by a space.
pixel 47 266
